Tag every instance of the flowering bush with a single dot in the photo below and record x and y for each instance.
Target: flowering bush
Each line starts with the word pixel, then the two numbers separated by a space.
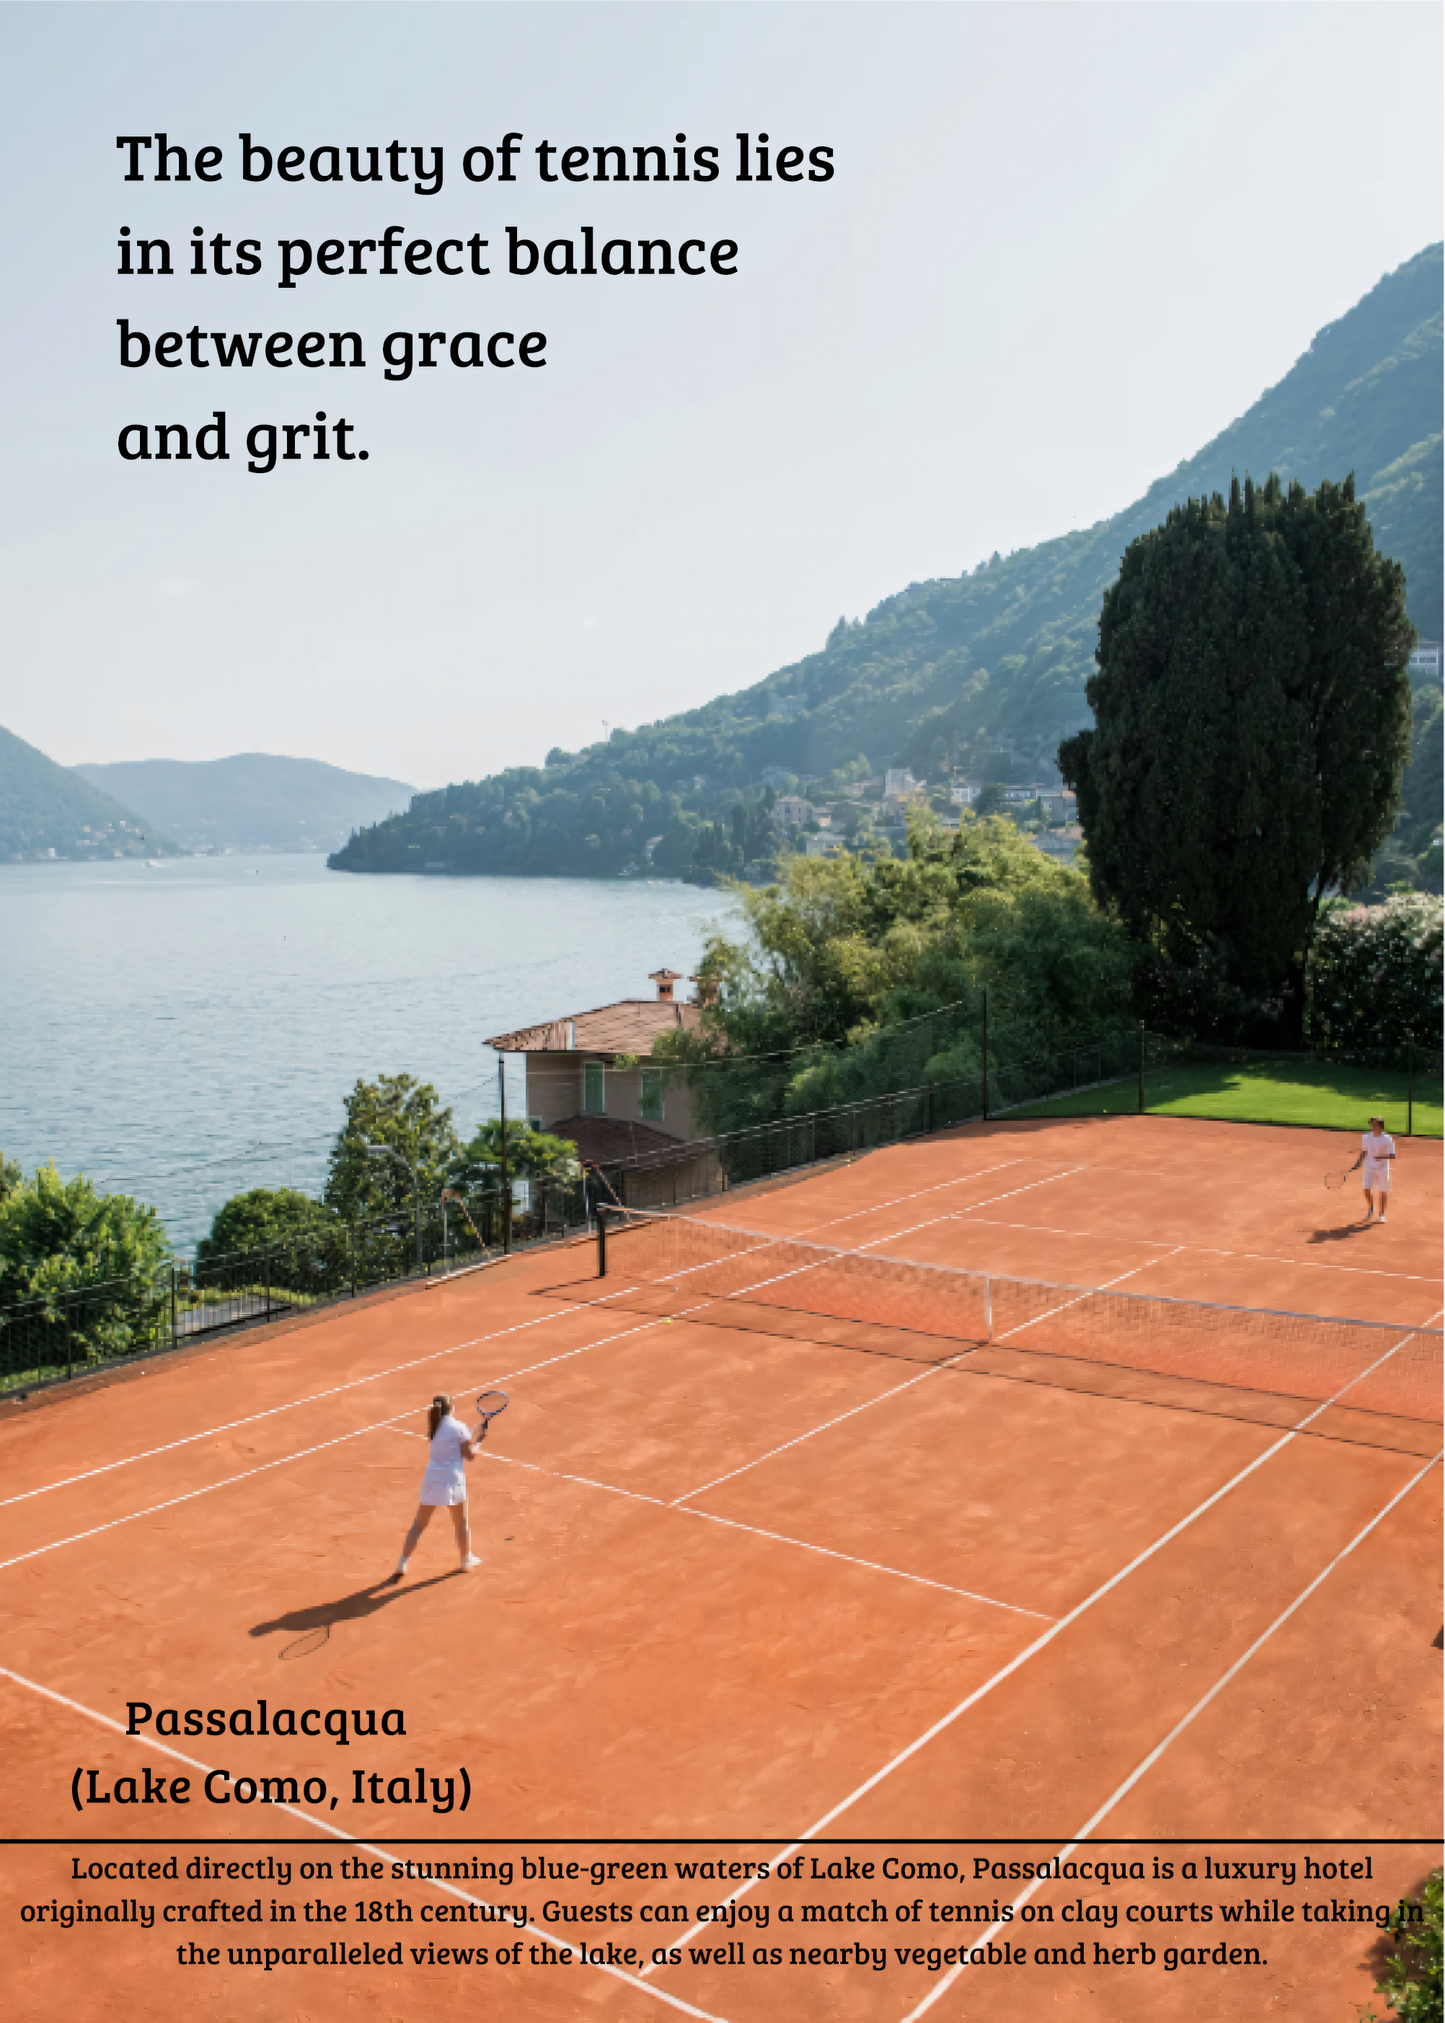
pixel 1374 974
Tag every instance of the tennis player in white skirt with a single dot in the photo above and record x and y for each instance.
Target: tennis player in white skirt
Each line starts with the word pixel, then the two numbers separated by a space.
pixel 444 1485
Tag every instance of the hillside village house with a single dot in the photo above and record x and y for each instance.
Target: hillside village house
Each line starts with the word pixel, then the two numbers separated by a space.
pixel 576 1090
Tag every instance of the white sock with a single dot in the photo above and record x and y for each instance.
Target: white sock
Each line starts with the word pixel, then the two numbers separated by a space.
pixel 401 1564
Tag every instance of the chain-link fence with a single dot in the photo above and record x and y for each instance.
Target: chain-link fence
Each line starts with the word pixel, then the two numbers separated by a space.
pixel 671 1175
pixel 79 1329
pixel 1133 1070
pixel 82 1328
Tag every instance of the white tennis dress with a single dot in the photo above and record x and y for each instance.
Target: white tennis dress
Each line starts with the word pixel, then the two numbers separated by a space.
pixel 1377 1171
pixel 445 1480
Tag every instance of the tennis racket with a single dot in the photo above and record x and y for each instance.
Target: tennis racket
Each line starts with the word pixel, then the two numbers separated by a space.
pixel 489 1404
pixel 1334 1180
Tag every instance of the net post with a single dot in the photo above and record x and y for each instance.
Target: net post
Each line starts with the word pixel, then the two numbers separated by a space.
pixel 1141 1067
pixel 987 1308
pixel 601 1239
pixel 985 1053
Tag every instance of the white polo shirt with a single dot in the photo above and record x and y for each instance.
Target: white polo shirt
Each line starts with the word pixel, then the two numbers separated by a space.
pixel 1377 1167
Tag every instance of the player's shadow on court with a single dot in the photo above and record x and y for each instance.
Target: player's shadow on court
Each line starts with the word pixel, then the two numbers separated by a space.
pixel 1340 1235
pixel 314 1623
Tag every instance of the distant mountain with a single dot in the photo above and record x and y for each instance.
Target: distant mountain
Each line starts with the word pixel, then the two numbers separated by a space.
pixel 253 801
pixel 985 670
pixel 45 812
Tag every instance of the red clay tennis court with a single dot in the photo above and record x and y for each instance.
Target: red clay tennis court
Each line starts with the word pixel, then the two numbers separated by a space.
pixel 1061 1489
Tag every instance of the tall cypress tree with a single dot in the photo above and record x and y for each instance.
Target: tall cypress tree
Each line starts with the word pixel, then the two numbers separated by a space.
pixel 1252 719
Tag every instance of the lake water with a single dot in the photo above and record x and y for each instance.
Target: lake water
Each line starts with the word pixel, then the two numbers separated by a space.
pixel 185 1032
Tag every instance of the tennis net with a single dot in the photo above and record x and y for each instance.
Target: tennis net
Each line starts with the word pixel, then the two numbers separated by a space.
pixel 1369 1366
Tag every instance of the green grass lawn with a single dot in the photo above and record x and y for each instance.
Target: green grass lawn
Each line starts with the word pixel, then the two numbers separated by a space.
pixel 1309 1092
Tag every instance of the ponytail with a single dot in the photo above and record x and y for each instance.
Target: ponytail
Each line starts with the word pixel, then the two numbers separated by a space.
pixel 440 1406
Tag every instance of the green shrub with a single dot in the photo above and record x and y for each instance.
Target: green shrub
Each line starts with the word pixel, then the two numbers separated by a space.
pixel 263 1218
pixel 1374 974
pixel 1412 1982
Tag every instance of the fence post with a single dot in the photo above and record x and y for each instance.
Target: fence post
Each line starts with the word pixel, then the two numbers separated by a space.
pixel 351 1256
pixel 1141 1067
pixel 985 1054
pixel 69 1347
pixel 1410 1097
pixel 173 1306
pixel 268 1285
pixel 601 1239
pixel 927 1109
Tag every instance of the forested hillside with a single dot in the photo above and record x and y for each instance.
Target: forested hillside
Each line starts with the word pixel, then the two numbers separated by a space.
pixel 47 811
pixel 949 672
pixel 254 801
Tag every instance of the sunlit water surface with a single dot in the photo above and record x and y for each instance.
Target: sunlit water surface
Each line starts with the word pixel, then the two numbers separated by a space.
pixel 183 1032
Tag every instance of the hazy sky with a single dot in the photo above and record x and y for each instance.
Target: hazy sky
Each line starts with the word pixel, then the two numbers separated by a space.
pixel 1064 245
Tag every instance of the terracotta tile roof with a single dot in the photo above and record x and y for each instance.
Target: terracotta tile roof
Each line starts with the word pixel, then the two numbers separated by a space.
pixel 599 1140
pixel 627 1027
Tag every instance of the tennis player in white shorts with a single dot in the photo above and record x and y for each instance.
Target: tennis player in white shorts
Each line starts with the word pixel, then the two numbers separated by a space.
pixel 1377 1150
pixel 444 1485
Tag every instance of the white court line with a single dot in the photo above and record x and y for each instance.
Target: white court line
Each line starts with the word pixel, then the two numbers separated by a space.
pixel 1211 1250
pixel 282 1460
pixel 917 1193
pixel 1049 1313
pixel 873 1565
pixel 1045 1638
pixel 948 1364
pixel 366 1847
pixel 432 1355
pixel 1177 1730
pixel 767 1241
pixel 536 1468
pixel 817 1264
pixel 778 1537
pixel 1379 1360
pixel 312 1398
pixel 798 1440
pixel 76 1538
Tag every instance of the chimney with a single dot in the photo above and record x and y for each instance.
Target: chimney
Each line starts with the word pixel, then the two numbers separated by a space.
pixel 665 979
pixel 707 989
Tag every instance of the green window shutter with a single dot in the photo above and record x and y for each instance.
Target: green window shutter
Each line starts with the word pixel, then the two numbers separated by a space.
pixel 652 1094
pixel 594 1100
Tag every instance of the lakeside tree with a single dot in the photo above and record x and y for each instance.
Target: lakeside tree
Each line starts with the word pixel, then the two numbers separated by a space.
pixel 856 977
pixel 55 1234
pixel 531 1155
pixel 264 1218
pixel 406 1115
pixel 1252 719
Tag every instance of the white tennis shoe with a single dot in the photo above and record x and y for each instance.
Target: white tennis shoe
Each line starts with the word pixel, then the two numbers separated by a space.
pixel 469 1562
